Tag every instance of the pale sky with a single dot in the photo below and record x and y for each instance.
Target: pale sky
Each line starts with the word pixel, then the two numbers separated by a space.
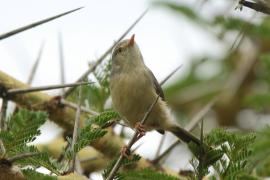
pixel 165 39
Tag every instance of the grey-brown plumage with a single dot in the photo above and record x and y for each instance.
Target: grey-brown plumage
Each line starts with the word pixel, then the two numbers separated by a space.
pixel 134 88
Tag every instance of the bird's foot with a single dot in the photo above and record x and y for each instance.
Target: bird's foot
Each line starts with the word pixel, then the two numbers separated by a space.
pixel 125 151
pixel 141 130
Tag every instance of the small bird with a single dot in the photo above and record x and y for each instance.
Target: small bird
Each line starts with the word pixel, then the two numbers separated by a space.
pixel 134 88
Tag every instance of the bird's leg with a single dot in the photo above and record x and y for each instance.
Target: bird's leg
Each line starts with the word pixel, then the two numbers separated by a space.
pixel 125 151
pixel 141 130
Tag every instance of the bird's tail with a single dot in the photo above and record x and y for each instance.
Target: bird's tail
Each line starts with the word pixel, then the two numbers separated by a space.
pixel 183 134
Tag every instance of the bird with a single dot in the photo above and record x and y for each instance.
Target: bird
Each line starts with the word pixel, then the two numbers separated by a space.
pixel 134 88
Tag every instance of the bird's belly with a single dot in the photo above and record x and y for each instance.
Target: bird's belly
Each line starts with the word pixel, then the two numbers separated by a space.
pixel 132 98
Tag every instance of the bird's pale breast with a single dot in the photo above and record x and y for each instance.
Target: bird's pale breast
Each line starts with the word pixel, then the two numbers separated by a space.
pixel 133 96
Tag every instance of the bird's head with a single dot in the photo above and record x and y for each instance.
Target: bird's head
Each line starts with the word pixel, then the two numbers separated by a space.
pixel 127 54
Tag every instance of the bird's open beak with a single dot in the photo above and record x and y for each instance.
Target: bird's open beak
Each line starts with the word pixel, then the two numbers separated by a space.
pixel 131 40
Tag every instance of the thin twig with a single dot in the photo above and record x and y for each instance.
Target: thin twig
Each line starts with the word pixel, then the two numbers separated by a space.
pixel 43 88
pixel 198 117
pixel 201 150
pixel 2 123
pixel 117 165
pixel 99 60
pixel 21 29
pixel 170 75
pixel 240 36
pixel 22 156
pixel 35 66
pixel 76 128
pixel 166 152
pixel 193 123
pixel 75 106
pixel 3 113
pixel 162 140
pixel 62 60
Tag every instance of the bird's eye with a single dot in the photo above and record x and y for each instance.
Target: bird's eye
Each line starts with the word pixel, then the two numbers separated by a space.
pixel 119 50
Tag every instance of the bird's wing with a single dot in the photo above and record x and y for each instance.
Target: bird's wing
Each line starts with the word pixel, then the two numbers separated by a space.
pixel 159 91
pixel 157 86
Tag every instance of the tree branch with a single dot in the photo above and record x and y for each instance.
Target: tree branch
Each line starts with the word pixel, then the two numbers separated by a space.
pixel 43 88
pixel 75 106
pixel 260 7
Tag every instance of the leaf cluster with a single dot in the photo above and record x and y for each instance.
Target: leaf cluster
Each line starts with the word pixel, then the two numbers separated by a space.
pixel 85 137
pixel 22 129
pixel 236 148
pixel 260 159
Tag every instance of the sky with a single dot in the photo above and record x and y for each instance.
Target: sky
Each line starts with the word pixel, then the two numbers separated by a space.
pixel 166 40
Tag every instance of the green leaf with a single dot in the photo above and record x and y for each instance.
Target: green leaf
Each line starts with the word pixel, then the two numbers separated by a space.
pixel 85 137
pixel 23 127
pixel 103 118
pixel 42 159
pixel 236 147
pixel 135 158
pixel 213 156
pixel 260 158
